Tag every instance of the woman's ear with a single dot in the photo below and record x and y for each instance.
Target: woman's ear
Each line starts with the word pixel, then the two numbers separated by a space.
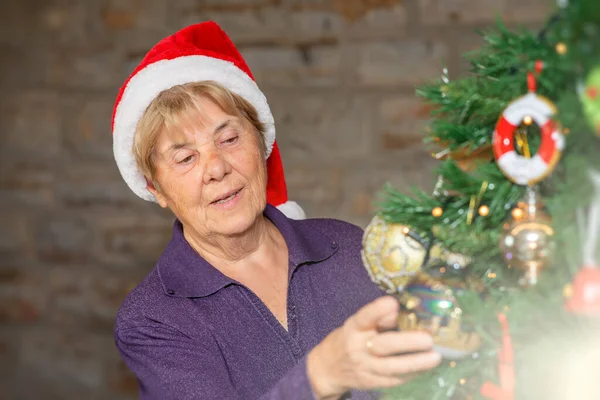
pixel 154 188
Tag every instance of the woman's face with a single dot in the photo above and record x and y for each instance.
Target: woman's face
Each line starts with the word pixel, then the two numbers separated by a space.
pixel 211 173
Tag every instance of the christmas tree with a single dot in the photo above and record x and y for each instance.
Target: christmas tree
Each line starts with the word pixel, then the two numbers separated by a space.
pixel 499 261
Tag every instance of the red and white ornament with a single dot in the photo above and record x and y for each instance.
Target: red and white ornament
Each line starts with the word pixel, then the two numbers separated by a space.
pixel 520 169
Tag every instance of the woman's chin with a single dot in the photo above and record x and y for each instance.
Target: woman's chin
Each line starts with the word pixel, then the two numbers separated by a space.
pixel 234 223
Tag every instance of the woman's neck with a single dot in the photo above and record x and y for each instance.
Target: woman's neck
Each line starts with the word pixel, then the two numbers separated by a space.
pixel 224 252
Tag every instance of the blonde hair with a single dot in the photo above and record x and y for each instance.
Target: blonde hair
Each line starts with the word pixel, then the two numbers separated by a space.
pixel 171 106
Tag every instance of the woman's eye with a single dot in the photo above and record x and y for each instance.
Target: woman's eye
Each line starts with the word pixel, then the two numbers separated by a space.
pixel 231 140
pixel 185 160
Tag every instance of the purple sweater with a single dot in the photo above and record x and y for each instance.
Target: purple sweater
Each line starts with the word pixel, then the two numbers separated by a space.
pixel 189 332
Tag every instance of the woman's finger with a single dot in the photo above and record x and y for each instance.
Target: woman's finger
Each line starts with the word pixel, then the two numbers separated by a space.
pixel 372 315
pixel 390 343
pixel 375 381
pixel 405 364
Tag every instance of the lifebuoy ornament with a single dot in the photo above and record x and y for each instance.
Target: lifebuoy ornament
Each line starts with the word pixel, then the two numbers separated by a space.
pixel 518 168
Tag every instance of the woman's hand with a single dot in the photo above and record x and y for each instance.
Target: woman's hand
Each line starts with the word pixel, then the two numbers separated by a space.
pixel 365 354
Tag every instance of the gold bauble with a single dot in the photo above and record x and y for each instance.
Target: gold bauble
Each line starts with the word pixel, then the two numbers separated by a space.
pixel 484 211
pixel 391 255
pixel 428 303
pixel 517 213
pixel 528 239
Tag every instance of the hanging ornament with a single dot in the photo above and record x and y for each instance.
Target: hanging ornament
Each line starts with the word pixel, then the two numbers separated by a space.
pixel 527 242
pixel 428 302
pixel 528 109
pixel 590 99
pixel 583 296
pixel 506 368
pixel 393 253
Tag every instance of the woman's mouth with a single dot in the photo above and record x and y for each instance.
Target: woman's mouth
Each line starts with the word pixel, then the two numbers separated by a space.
pixel 228 199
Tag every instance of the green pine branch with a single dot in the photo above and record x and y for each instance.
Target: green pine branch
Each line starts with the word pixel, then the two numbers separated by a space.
pixel 465 112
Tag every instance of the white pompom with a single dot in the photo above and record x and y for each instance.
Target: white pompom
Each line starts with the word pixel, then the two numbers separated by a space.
pixel 292 210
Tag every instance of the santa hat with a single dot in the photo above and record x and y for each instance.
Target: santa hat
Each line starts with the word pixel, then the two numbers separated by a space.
pixel 201 52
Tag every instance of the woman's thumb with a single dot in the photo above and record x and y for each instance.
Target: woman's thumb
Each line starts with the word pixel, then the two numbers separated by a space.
pixel 381 313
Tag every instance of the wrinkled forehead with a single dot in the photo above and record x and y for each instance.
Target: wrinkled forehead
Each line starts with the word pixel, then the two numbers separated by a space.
pixel 195 120
pixel 184 124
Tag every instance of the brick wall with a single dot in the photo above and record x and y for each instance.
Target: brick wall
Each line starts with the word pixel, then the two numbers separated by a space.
pixel 339 74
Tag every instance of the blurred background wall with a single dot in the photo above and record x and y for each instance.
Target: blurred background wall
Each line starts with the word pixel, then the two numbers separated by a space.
pixel 340 76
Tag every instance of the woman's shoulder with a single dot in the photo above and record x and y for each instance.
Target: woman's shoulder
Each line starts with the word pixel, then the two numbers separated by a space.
pixel 138 302
pixel 336 229
pixel 146 305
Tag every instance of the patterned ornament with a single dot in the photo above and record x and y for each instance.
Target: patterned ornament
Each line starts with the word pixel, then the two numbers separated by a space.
pixel 428 303
pixel 528 239
pixel 393 253
pixel 528 109
pixel 590 99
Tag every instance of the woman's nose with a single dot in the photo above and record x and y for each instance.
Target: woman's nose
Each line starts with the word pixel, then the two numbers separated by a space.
pixel 216 167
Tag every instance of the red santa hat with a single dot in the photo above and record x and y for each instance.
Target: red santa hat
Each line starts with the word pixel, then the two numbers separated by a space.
pixel 201 52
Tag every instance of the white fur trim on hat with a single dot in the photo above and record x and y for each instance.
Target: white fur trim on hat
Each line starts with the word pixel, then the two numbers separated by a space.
pixel 292 210
pixel 144 86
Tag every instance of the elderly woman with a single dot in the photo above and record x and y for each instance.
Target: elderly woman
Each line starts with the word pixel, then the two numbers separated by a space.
pixel 244 303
